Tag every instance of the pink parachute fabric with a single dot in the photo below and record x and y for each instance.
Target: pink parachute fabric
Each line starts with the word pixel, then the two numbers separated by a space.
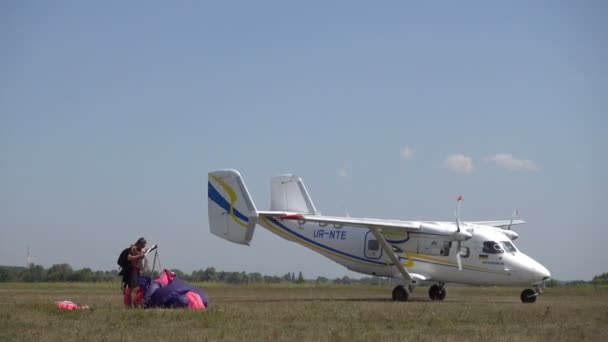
pixel 69 305
pixel 165 278
pixel 194 301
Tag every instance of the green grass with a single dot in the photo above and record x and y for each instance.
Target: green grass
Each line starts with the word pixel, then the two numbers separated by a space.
pixel 305 312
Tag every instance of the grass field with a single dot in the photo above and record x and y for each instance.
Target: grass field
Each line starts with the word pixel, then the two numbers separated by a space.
pixel 305 312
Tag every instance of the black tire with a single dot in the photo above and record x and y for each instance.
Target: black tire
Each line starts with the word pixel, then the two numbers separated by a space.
pixel 401 294
pixel 437 293
pixel 442 294
pixel 528 296
pixel 433 292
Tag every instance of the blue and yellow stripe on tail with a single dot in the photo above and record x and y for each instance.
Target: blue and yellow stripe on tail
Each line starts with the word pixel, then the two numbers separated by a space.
pixel 232 214
pixel 215 196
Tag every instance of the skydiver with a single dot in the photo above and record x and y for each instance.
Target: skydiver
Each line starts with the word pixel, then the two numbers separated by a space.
pixel 135 258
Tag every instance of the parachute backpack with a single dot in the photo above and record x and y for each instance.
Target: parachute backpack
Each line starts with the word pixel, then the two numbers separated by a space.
pixel 123 263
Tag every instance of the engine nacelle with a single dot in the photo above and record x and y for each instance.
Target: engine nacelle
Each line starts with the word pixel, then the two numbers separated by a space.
pixel 510 234
pixel 445 232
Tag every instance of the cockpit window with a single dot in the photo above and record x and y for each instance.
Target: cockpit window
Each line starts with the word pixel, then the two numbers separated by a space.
pixel 508 246
pixel 492 247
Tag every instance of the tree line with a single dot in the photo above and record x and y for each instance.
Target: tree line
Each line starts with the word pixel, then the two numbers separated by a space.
pixel 56 273
pixel 65 273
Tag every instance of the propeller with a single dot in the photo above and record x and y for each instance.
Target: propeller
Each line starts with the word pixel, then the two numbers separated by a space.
pixel 458 242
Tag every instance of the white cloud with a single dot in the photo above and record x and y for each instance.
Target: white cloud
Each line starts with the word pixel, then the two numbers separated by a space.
pixel 507 161
pixel 407 153
pixel 459 163
pixel 343 172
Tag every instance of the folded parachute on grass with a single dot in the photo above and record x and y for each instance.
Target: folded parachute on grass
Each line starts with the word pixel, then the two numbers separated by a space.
pixel 167 291
pixel 69 305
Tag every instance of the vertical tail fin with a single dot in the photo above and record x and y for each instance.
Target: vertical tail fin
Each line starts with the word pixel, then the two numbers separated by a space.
pixel 287 193
pixel 232 214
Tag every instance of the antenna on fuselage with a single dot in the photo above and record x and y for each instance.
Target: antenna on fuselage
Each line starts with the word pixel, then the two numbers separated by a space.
pixel 346 213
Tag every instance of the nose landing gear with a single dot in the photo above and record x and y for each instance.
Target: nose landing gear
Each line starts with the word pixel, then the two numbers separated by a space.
pixel 529 295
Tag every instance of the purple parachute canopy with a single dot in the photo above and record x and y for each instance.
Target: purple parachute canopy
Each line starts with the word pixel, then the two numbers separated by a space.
pixel 173 295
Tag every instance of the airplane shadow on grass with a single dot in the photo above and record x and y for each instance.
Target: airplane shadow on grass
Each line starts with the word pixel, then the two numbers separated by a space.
pixel 346 300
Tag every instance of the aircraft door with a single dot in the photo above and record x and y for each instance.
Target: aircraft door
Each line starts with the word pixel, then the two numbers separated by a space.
pixel 372 249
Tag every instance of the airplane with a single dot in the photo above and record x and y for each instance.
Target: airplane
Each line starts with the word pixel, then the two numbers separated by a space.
pixel 474 253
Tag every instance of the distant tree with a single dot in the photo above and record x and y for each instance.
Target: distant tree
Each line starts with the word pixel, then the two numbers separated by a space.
pixel 244 278
pixel 272 279
pixel 104 276
pixel 574 283
pixel 34 274
pixel 235 278
pixel 8 274
pixel 198 275
pixel 59 272
pixel 287 277
pixel 600 279
pixel 322 280
pixel 344 280
pixel 256 277
pixel 211 274
pixel 84 275
pixel 300 279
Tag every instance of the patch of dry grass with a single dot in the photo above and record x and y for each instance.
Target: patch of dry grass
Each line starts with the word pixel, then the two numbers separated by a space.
pixel 305 312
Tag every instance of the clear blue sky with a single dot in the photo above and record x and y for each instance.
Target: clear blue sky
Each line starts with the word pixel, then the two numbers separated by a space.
pixel 113 112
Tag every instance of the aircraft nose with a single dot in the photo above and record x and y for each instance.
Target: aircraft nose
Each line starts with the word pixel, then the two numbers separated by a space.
pixel 543 272
pixel 538 273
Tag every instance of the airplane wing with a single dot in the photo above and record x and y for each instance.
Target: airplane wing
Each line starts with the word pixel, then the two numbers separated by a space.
pixel 338 222
pixel 439 230
pixel 499 224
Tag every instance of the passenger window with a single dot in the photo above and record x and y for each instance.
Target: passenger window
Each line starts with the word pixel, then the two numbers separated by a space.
pixel 373 245
pixel 492 247
pixel 465 252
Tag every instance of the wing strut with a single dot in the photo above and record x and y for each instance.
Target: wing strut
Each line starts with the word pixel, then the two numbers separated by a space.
pixel 391 254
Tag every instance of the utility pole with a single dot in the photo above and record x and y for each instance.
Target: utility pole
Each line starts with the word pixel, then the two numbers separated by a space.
pixel 29 257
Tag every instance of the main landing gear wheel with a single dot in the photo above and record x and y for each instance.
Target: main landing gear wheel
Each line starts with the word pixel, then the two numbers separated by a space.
pixel 401 293
pixel 528 296
pixel 437 292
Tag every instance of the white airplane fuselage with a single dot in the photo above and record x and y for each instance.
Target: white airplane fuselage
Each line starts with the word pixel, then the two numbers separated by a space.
pixel 476 253
pixel 419 253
